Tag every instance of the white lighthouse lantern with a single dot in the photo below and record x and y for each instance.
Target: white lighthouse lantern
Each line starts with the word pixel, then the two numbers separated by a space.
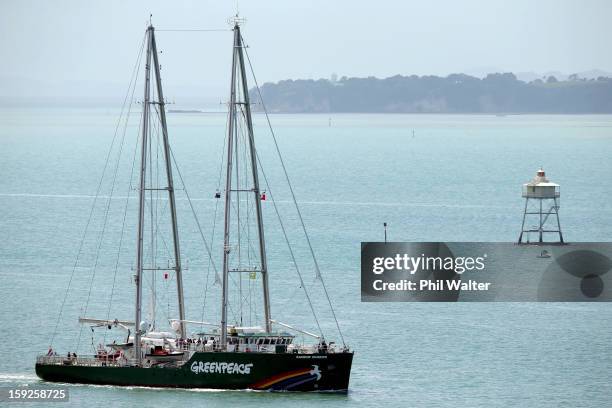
pixel 541 187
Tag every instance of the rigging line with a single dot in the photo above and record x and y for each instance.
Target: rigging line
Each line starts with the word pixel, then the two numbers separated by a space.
pixel 233 279
pixel 178 171
pixel 154 202
pixel 155 301
pixel 238 221
pixel 246 299
pixel 297 207
pixel 168 302
pixel 154 296
pixel 158 214
pixel 152 205
pixel 154 209
pixel 250 209
pixel 241 226
pixel 123 225
pixel 250 300
pixel 164 298
pixel 297 269
pixel 127 196
pixel 97 194
pixel 291 297
pixel 241 132
pixel 162 199
pixel 244 227
pixel 229 304
pixel 161 234
pixel 101 241
pixel 195 30
pixel 212 238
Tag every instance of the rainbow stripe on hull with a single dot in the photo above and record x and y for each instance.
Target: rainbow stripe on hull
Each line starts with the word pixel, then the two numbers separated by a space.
pixel 289 380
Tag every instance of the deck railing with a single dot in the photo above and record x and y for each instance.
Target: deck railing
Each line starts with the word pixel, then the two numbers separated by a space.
pixel 98 361
pixel 80 361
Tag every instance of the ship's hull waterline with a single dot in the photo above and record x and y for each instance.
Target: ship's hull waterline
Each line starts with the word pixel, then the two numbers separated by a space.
pixel 219 370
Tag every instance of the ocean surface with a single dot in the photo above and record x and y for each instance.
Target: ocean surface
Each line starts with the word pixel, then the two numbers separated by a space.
pixel 430 177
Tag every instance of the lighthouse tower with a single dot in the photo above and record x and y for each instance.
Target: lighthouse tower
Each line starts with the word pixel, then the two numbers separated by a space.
pixel 541 214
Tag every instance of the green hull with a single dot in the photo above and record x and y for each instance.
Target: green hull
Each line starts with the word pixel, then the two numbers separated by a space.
pixel 219 370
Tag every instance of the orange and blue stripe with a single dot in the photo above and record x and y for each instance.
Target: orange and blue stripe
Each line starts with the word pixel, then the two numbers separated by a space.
pixel 286 380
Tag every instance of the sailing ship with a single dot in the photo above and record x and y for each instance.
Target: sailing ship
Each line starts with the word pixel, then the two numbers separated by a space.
pixel 226 356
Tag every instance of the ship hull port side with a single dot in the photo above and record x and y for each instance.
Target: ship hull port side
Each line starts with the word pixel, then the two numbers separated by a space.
pixel 327 372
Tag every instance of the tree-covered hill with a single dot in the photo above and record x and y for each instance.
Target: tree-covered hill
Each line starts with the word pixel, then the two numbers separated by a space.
pixel 457 93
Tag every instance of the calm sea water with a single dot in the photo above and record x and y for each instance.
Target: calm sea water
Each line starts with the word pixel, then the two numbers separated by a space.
pixel 458 178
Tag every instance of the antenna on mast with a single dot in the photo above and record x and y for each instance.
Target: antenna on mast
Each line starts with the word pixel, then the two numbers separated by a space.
pixel 236 20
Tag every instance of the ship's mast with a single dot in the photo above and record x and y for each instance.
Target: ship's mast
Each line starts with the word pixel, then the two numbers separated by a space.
pixel 141 198
pixel 170 188
pixel 256 190
pixel 241 84
pixel 152 53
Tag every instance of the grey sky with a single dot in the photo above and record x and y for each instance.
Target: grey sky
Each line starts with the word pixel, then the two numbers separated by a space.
pixel 89 43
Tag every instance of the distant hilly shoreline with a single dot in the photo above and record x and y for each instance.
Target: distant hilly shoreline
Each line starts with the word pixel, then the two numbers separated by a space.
pixel 500 93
